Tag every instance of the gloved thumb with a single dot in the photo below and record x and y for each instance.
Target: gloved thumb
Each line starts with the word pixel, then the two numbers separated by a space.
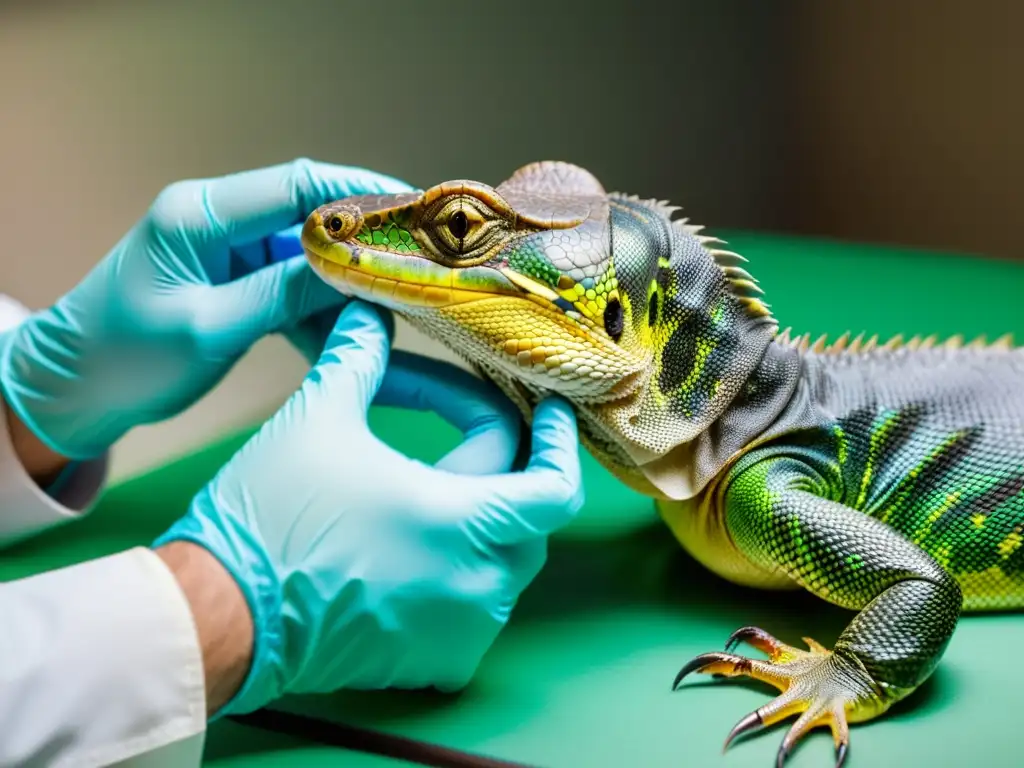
pixel 270 299
pixel 545 496
pixel 355 357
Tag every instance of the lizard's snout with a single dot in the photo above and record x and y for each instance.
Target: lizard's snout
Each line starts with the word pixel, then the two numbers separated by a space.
pixel 332 223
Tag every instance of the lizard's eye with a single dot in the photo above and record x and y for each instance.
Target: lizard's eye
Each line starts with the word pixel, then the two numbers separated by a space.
pixel 458 224
pixel 339 224
pixel 463 226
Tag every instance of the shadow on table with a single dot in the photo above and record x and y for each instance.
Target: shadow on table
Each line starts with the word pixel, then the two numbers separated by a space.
pixel 591 576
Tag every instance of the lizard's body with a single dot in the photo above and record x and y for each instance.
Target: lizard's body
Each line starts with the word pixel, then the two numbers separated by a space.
pixel 929 441
pixel 885 479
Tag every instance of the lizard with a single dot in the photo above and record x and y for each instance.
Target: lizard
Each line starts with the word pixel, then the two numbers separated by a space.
pixel 885 478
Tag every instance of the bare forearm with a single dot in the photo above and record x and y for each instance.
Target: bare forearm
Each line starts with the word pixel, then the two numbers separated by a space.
pixel 42 464
pixel 222 618
pixel 221 614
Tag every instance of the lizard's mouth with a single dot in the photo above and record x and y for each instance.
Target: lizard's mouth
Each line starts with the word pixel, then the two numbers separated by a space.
pixel 399 280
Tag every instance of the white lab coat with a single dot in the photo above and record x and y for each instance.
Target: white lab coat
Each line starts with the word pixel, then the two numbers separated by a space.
pixel 99 662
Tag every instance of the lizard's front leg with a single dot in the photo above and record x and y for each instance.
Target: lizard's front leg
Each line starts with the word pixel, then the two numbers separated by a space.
pixel 778 515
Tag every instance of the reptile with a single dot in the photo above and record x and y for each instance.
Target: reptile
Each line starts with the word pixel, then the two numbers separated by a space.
pixel 885 478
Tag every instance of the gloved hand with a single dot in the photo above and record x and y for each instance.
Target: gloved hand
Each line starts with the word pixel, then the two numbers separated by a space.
pixel 160 320
pixel 364 568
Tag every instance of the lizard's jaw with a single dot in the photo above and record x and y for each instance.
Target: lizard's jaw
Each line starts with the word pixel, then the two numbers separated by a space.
pixel 402 281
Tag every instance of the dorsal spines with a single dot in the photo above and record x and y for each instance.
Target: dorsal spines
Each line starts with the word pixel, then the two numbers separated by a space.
pixel 843 345
pixel 742 284
pixel 894 342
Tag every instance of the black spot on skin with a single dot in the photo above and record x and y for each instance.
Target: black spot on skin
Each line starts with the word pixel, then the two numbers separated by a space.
pixel 652 310
pixel 663 278
pixel 613 319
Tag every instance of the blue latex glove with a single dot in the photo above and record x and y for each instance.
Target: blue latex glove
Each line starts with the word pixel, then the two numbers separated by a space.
pixel 161 319
pixel 364 568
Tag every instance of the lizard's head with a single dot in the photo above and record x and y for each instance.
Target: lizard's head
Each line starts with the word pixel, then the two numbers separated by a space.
pixel 517 278
pixel 547 283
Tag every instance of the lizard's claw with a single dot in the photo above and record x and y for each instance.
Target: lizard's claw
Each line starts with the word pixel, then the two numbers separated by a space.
pixel 822 687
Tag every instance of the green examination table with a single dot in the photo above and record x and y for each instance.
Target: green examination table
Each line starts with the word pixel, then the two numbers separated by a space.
pixel 582 675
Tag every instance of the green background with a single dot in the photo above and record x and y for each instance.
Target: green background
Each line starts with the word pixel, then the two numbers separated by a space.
pixel 582 675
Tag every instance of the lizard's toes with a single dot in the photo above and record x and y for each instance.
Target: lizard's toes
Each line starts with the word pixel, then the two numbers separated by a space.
pixel 820 686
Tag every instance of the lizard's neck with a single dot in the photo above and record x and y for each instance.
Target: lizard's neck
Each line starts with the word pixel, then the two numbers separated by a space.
pixel 716 376
pixel 682 471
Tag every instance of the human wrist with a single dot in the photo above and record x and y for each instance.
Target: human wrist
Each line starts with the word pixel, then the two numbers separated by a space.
pixel 40 399
pixel 224 623
pixel 41 463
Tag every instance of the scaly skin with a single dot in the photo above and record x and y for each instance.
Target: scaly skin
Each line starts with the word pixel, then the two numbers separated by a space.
pixel 885 479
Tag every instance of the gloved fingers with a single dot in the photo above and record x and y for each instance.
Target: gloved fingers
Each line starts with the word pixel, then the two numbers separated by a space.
pixel 458 668
pixel 548 493
pixel 251 205
pixel 488 421
pixel 451 683
pixel 270 299
pixel 355 357
pixel 525 562
pixel 478 606
pixel 309 336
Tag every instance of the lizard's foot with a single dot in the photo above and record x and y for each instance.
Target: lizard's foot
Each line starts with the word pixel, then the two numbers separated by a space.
pixel 823 687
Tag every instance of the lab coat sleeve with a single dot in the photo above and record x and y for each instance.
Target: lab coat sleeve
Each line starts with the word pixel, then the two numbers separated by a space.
pixel 99 662
pixel 99 666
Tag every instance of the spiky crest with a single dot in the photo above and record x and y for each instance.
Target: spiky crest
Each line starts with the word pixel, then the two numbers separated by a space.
pixel 845 346
pixel 742 284
pixel 746 288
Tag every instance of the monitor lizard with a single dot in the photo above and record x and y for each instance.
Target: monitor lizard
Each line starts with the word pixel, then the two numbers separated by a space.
pixel 886 478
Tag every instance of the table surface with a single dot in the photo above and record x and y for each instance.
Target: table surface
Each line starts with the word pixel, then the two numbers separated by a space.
pixel 582 674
